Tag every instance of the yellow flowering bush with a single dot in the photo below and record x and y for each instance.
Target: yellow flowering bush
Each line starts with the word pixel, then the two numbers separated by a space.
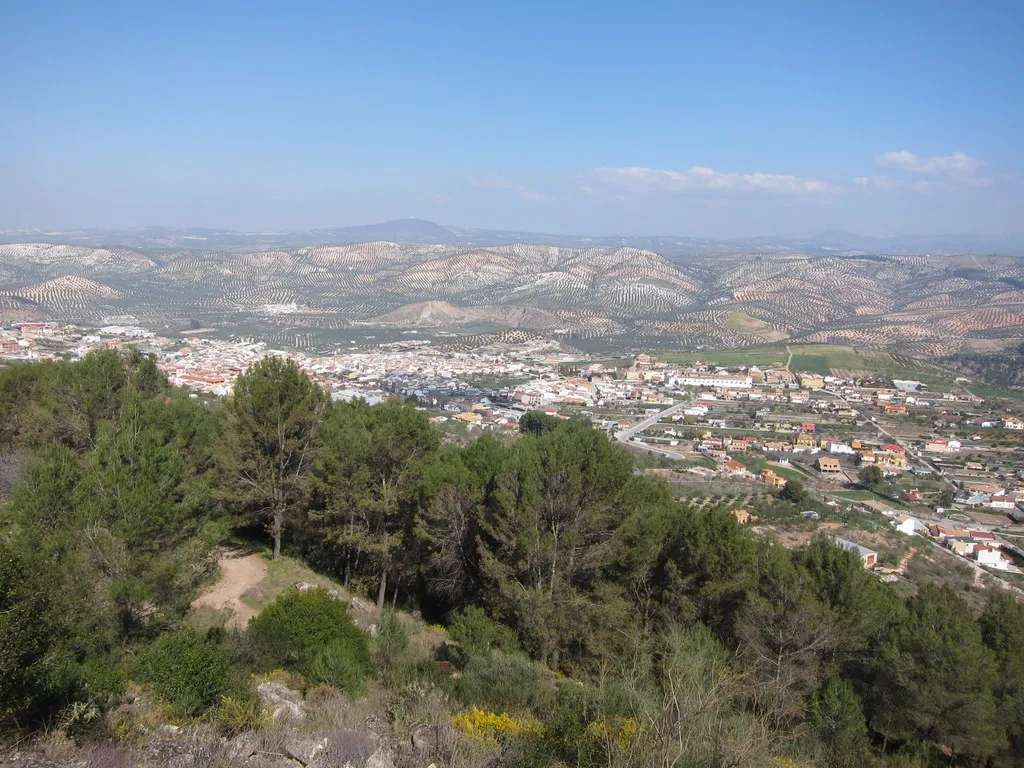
pixel 492 728
pixel 621 733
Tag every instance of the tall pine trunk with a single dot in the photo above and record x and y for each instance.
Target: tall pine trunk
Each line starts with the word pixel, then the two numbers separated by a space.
pixel 382 589
pixel 278 526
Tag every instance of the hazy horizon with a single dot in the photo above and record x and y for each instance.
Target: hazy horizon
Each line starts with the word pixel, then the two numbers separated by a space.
pixel 655 119
pixel 462 228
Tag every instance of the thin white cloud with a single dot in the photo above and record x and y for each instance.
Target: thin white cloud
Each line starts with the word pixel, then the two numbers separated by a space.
pixel 494 181
pixel 956 169
pixel 887 183
pixel 699 179
pixel 435 197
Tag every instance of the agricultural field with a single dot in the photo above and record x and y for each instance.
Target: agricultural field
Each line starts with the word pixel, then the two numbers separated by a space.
pixel 763 356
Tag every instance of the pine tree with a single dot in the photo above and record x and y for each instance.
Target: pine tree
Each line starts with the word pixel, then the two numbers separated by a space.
pixel 273 419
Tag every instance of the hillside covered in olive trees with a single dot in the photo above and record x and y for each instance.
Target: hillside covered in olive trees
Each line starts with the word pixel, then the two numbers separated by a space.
pixel 614 296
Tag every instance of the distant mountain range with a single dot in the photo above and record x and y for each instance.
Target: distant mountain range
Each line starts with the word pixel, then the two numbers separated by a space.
pixel 419 232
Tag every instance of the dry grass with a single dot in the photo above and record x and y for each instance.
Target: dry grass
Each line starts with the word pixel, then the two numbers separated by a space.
pixel 329 710
pixel 420 702
pixel 424 640
pixel 283 575
pixel 56 746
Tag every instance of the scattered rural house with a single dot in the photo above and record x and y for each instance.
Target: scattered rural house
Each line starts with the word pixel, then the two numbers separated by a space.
pixel 905 524
pixel 805 441
pixel 992 556
pixel 1011 423
pixel 891 460
pixel 834 446
pixel 1002 502
pixel 768 476
pixel 734 468
pixel 944 534
pixel 868 556
pixel 828 466
pixel 961 547
pixel 973 498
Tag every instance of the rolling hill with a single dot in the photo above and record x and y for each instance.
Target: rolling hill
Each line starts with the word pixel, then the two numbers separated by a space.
pixel 620 295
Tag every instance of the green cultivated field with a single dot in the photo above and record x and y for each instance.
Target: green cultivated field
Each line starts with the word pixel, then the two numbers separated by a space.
pixel 761 355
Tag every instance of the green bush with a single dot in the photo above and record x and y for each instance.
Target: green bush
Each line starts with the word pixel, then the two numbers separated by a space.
pixel 478 634
pixel 390 648
pixel 340 666
pixel 186 670
pixel 237 715
pixel 103 681
pixel 499 683
pixel 297 627
pixel 567 713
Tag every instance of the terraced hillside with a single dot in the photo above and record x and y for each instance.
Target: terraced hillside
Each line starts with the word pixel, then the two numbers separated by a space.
pixel 930 306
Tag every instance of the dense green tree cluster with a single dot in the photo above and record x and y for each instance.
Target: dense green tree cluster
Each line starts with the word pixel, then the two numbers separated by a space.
pixel 694 642
pixel 108 524
pixel 1004 369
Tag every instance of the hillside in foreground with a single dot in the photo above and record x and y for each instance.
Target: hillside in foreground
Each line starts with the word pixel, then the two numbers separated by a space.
pixel 584 615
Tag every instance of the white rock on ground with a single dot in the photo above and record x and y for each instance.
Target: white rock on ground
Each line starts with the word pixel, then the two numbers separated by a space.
pixel 281 702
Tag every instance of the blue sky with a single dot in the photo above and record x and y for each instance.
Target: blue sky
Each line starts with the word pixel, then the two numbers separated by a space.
pixel 703 119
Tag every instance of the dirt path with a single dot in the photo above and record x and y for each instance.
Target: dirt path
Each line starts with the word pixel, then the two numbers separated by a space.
pixel 238 572
pixel 905 563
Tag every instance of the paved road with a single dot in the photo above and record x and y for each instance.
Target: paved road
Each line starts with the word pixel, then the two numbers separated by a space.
pixel 911 451
pixel 626 435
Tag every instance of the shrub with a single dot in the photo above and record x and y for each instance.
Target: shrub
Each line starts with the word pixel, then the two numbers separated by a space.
pixel 297 627
pixel 237 715
pixel 391 647
pixel 187 671
pixel 567 713
pixel 494 729
pixel 419 702
pixel 500 682
pixel 340 665
pixel 393 639
pixel 27 629
pixel 283 677
pixel 478 634
pixel 103 681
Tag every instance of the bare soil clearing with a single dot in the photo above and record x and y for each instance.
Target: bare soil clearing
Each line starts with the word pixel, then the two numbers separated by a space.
pixel 239 572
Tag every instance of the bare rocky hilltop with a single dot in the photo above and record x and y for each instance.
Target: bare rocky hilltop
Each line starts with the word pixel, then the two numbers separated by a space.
pixel 922 305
